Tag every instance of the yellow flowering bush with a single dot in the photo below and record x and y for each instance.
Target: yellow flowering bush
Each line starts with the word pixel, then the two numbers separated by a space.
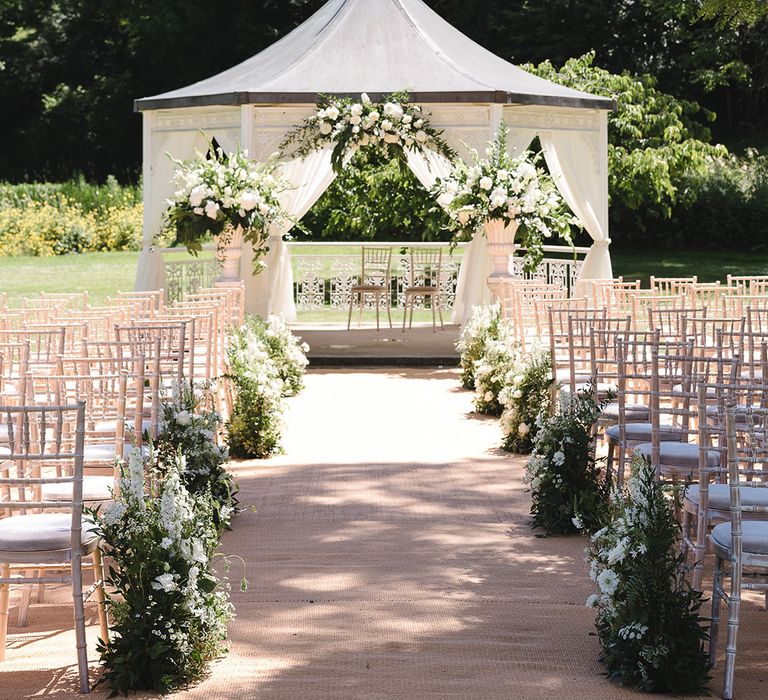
pixel 46 219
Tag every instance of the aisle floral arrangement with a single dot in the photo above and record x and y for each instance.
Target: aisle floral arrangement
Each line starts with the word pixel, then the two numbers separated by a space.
pixel 217 193
pixel 525 398
pixel 266 363
pixel 191 430
pixel 169 609
pixel 484 325
pixel 494 370
pixel 508 188
pixel 392 124
pixel 648 617
pixel 568 490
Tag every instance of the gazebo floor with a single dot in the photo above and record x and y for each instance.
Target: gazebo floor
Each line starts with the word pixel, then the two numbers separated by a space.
pixel 389 556
pixel 332 344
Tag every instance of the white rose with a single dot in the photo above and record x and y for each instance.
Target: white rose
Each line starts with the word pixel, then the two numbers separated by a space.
pixel 488 396
pixel 199 211
pixel 164 582
pixel 407 119
pixel 418 123
pixel 332 113
pixel 248 200
pixel 517 394
pixel 502 174
pixel 386 125
pixel 325 128
pixel 486 183
pixel 523 429
pixel 212 209
pixel 184 418
pixel 196 196
pixel 421 136
pixel 374 116
pixel 391 138
pixel 356 110
pixel 365 99
pixel 463 216
pixel 445 199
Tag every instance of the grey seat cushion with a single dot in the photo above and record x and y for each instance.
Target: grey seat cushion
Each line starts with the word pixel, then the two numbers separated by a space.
pixel 634 412
pixel 754 538
pixel 95 488
pixel 40 532
pixel 641 432
pixel 720 496
pixel 684 455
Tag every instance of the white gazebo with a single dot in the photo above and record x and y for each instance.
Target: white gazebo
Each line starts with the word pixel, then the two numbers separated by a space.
pixel 376 46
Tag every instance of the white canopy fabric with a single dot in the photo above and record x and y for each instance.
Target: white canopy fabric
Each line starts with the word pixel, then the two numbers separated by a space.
pixel 376 46
pixel 379 46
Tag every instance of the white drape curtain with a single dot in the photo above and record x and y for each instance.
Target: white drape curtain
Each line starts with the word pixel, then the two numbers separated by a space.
pixel 271 291
pixel 579 167
pixel 150 272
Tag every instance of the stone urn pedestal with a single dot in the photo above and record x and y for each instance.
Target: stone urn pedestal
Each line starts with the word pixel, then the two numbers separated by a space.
pixel 229 257
pixel 501 245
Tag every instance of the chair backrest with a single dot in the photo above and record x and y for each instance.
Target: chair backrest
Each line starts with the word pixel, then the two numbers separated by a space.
pixel 672 285
pixel 40 440
pixel 45 344
pixel 376 266
pixel 669 321
pixel 425 267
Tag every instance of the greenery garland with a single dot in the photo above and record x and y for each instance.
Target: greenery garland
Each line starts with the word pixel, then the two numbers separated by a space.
pixel 393 125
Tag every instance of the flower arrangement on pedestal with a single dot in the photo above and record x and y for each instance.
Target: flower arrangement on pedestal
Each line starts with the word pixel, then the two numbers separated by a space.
pixel 227 196
pixel 508 189
pixel 392 124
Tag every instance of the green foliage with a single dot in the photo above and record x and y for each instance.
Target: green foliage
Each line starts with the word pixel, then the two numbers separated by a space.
pixel 648 617
pixel 375 198
pixel 191 430
pixel 567 489
pixel 169 610
pixel 483 326
pixel 526 398
pixel 266 364
pixel 71 217
pixel 734 12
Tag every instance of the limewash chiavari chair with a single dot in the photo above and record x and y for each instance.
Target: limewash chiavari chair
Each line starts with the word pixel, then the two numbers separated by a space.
pixel 149 304
pixel 234 301
pixel 375 282
pixel 14 364
pixel 526 300
pixel 737 304
pixel 75 332
pixel 706 294
pixel 425 278
pixel 42 440
pixel 582 350
pixel 741 543
pixel 648 299
pixel 635 362
pixel 45 345
pixel 672 285
pixel 557 321
pixel 171 349
pixel 65 300
pixel 704 331
pixel 204 333
pixel 746 284
pixel 676 457
pixel 669 321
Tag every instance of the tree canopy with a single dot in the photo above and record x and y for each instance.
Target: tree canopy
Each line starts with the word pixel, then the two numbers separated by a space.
pixel 70 69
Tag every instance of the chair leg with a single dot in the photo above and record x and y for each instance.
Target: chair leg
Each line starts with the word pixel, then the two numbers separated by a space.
pixel 440 311
pixel 351 304
pixel 700 550
pixel 717 585
pixel 98 575
pixel 389 310
pixel 377 303
pixel 432 305
pixel 734 610
pixel 361 302
pixel 410 319
pixel 40 597
pixel 26 597
pixel 405 312
pixel 79 610
pixel 609 460
pixel 5 572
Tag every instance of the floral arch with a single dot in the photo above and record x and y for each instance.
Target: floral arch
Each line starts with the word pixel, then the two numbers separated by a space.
pixel 467 91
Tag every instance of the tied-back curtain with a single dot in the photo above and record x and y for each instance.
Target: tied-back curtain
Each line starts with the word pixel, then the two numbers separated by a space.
pixel 271 291
pixel 579 169
pixel 150 271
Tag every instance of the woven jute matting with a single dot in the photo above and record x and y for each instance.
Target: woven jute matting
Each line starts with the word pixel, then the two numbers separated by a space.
pixel 389 556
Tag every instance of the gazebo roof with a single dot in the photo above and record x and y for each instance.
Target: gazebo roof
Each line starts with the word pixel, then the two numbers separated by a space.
pixel 374 46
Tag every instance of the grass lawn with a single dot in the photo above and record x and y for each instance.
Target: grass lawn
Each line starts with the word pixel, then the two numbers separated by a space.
pixel 103 274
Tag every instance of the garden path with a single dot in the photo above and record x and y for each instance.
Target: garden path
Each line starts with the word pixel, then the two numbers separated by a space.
pixel 389 556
